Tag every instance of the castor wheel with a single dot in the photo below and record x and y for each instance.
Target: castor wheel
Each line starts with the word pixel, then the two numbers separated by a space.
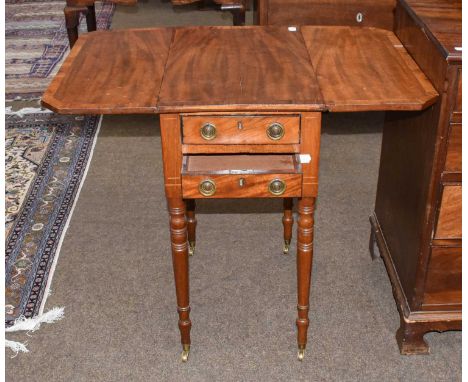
pixel 301 352
pixel 191 250
pixel 185 353
pixel 286 247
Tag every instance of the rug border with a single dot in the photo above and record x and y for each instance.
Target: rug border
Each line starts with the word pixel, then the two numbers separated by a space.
pixel 65 228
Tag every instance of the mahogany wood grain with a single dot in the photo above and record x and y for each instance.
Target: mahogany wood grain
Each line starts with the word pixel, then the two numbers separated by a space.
pixel 238 69
pixel 171 154
pixel 442 23
pixel 449 224
pixel 310 144
pixel 327 12
pixel 305 242
pixel 458 102
pixel 239 149
pixel 111 72
pixel 444 279
pixel 178 229
pixel 240 129
pixel 229 186
pixel 453 162
pixel 366 69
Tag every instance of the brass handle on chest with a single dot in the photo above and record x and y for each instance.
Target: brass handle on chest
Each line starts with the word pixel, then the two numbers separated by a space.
pixel 207 187
pixel 208 131
pixel 275 131
pixel 277 187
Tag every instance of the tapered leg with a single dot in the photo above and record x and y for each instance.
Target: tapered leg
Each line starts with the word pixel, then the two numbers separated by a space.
pixel 178 225
pixel 288 221
pixel 191 225
pixel 91 18
pixel 72 20
pixel 305 238
pixel 373 249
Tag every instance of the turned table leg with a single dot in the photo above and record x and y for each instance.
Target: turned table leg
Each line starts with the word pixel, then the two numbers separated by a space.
pixel 191 225
pixel 288 221
pixel 180 262
pixel 91 18
pixel 305 238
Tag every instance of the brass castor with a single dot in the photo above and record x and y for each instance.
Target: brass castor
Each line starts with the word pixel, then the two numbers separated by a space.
pixel 185 353
pixel 191 250
pixel 286 247
pixel 301 352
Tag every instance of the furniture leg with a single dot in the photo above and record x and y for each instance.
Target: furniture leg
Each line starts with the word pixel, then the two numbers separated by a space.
pixel 288 221
pixel 373 249
pixel 180 262
pixel 72 20
pixel 91 18
pixel 191 225
pixel 410 338
pixel 238 17
pixel 305 238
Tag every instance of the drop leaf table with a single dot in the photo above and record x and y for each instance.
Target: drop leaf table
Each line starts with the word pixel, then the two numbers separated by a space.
pixel 240 113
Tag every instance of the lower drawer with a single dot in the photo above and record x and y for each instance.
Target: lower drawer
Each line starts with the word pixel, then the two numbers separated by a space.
pixel 444 279
pixel 449 224
pixel 241 176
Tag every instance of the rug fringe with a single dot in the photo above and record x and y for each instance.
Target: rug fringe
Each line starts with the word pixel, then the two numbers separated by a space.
pixel 31 325
pixel 34 323
pixel 25 110
pixel 16 347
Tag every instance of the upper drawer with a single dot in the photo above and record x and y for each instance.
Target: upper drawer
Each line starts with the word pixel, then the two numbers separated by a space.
pixel 236 130
pixel 449 224
pixel 453 161
pixel 458 102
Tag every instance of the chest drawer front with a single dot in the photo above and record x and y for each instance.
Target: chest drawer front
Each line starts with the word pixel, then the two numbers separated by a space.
pixel 242 186
pixel 237 130
pixel 453 162
pixel 444 278
pixel 458 102
pixel 449 224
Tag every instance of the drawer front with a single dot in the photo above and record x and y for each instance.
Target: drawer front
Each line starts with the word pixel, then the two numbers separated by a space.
pixel 241 186
pixel 457 107
pixel 236 130
pixel 444 278
pixel 458 102
pixel 368 13
pixel 453 161
pixel 449 224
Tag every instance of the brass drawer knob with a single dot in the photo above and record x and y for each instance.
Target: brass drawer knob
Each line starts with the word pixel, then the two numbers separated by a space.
pixel 207 187
pixel 208 131
pixel 277 187
pixel 275 131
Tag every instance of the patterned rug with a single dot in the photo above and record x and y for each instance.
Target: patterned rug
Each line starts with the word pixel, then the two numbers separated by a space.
pixel 36 43
pixel 46 161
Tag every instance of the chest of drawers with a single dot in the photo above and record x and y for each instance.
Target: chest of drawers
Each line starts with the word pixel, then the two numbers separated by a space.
pixel 417 219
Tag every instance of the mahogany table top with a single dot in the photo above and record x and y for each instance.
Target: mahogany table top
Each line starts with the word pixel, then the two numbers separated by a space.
pixel 164 70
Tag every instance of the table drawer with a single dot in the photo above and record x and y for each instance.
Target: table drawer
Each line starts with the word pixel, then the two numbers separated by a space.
pixel 241 129
pixel 444 278
pixel 453 161
pixel 449 224
pixel 241 176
